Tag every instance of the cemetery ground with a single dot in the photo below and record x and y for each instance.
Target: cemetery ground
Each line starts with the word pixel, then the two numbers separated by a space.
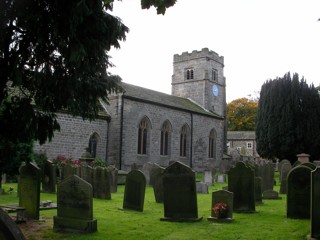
pixel 269 222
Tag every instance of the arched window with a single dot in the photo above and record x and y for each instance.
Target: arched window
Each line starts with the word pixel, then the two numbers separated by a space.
pixel 93 142
pixel 165 138
pixel 189 73
pixel 183 141
pixel 143 136
pixel 212 144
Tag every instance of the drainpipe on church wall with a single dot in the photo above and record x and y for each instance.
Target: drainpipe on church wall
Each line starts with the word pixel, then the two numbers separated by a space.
pixel 121 132
pixel 191 138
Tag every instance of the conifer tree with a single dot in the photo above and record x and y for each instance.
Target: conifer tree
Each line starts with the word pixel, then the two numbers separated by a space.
pixel 288 119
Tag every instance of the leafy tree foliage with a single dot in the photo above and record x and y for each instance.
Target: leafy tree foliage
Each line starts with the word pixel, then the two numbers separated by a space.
pixel 288 119
pixel 241 114
pixel 53 56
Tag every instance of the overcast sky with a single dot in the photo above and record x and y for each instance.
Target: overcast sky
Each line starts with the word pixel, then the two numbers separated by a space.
pixel 259 40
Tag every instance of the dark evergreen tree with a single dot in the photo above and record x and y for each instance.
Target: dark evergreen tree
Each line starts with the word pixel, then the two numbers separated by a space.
pixel 288 119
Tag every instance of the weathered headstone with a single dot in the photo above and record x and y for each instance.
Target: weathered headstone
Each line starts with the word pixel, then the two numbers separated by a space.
pixel 208 177
pixel 122 177
pixel 280 166
pixel 202 187
pixel 86 173
pixel 101 185
pixel 285 169
pixel 298 192
pixel 180 196
pixel 134 191
pixel 266 172
pixel 241 183
pixel 147 169
pixel 221 178
pixel 75 206
pixel 113 178
pixel 315 199
pixel 49 177
pixel 157 175
pixel 29 190
pixel 222 196
pixel 270 194
pixel 258 190
pixel 8 228
pixel 67 171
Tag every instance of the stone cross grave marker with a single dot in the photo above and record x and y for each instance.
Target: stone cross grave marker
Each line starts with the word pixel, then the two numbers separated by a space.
pixel 101 184
pixel 134 191
pixel 75 206
pixel 298 192
pixel 179 193
pixel 222 196
pixel 241 183
pixel 315 199
pixel 29 190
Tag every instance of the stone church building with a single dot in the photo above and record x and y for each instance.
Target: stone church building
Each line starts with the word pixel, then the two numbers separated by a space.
pixel 142 125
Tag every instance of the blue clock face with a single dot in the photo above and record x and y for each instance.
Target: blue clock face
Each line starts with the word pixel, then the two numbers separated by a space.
pixel 215 90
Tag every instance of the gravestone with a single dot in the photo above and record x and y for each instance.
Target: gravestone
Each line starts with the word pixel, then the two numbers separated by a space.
pixel 221 178
pixel 9 230
pixel 280 166
pixel 101 185
pixel 113 178
pixel 296 163
pixel 298 192
pixel 316 163
pixel 258 190
pixel 285 169
pixel 241 183
pixel 202 187
pixel 310 165
pixel 222 196
pixel 266 172
pixel 208 177
pixel 121 180
pixel 147 168
pixel 315 199
pixel 86 173
pixel 179 192
pixel 157 175
pixel 49 177
pixel 67 171
pixel 134 190
pixel 270 194
pixel 75 206
pixel 29 190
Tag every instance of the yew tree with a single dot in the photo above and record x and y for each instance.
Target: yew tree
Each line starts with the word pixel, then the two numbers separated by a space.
pixel 54 56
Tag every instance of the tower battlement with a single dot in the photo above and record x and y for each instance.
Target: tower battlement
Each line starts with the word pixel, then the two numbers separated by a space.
pixel 204 53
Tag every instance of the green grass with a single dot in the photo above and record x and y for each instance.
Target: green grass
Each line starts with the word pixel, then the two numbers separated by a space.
pixel 269 222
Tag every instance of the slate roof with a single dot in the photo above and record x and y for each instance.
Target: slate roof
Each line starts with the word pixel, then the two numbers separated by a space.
pixel 150 96
pixel 241 135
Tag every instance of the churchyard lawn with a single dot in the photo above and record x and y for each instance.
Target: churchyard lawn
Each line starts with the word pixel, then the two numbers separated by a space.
pixel 269 222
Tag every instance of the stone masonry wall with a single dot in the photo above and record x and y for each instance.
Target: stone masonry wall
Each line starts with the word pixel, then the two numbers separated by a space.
pixel 74 137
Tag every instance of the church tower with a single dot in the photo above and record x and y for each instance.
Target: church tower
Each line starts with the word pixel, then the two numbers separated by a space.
pixel 199 77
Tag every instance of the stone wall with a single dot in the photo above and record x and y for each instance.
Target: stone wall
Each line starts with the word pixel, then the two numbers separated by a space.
pixel 201 126
pixel 74 137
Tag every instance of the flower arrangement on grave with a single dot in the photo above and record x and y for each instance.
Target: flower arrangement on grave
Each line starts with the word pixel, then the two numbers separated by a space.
pixel 63 161
pixel 220 210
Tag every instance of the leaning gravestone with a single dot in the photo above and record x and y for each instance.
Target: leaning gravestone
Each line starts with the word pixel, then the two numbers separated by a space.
pixel 315 199
pixel 134 190
pixel 179 192
pixel 285 169
pixel 29 190
pixel 101 185
pixel 157 175
pixel 75 206
pixel 8 228
pixel 222 196
pixel 241 183
pixel 49 177
pixel 298 192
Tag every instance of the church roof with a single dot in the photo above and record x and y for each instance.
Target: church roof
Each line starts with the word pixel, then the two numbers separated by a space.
pixel 154 97
pixel 241 135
